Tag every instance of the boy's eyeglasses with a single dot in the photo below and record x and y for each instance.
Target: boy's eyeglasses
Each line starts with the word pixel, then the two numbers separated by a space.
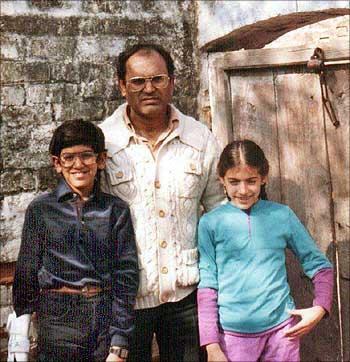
pixel 158 81
pixel 86 157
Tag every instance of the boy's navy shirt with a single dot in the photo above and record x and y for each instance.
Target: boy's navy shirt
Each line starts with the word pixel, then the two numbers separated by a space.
pixel 67 242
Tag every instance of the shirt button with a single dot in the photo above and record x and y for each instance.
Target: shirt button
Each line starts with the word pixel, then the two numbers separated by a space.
pixel 157 184
pixel 119 174
pixel 161 213
pixel 163 244
pixel 164 270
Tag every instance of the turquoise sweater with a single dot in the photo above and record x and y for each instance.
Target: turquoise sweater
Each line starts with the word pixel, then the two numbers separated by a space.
pixel 243 257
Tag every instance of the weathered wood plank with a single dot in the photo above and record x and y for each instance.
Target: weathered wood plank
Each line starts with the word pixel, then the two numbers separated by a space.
pixel 279 57
pixel 338 79
pixel 220 108
pixel 254 117
pixel 305 187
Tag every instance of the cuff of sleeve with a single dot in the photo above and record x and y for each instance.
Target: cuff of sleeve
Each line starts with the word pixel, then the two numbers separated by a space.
pixel 119 341
pixel 209 339
pixel 320 302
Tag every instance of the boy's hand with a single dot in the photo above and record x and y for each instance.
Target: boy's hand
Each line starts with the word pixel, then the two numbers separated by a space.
pixel 114 358
pixel 309 319
pixel 215 353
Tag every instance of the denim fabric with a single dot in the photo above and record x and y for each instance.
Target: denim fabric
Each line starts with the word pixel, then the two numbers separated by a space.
pixel 74 327
pixel 176 328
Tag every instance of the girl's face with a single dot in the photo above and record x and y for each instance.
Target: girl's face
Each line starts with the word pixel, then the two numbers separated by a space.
pixel 243 184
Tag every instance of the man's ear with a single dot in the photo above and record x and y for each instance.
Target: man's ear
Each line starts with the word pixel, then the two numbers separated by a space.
pixel 56 164
pixel 172 84
pixel 121 84
pixel 101 160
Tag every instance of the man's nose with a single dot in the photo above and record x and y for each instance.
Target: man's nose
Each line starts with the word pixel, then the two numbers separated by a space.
pixel 149 88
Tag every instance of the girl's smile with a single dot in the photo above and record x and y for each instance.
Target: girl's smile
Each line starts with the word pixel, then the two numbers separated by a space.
pixel 243 185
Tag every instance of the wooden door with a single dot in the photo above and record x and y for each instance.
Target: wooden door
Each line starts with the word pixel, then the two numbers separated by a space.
pixel 279 106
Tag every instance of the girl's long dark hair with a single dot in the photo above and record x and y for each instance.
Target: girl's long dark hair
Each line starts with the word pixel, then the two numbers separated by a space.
pixel 244 152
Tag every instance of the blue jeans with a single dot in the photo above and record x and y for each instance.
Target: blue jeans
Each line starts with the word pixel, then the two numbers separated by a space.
pixel 176 328
pixel 73 327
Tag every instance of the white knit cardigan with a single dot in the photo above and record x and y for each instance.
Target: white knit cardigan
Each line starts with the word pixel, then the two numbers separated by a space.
pixel 165 195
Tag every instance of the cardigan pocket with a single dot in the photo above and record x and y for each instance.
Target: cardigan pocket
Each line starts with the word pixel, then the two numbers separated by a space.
pixel 188 272
pixel 122 184
pixel 190 179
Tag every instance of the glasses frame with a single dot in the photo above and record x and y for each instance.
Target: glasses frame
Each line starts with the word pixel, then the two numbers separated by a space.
pixel 148 79
pixel 75 156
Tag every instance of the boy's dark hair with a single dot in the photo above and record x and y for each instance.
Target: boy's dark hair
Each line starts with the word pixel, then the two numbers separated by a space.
pixel 148 47
pixel 78 132
pixel 244 152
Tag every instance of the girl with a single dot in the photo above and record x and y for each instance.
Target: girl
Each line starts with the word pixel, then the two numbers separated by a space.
pixel 246 312
pixel 77 265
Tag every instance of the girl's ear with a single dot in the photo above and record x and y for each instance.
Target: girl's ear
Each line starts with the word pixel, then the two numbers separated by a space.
pixel 56 164
pixel 101 160
pixel 264 180
pixel 222 180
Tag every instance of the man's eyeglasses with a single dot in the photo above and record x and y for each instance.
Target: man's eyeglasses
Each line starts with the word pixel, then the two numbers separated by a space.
pixel 158 81
pixel 86 157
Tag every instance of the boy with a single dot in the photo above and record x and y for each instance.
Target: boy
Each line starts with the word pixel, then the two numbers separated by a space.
pixel 77 265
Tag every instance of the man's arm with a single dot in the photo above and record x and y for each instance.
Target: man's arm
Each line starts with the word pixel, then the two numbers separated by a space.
pixel 213 194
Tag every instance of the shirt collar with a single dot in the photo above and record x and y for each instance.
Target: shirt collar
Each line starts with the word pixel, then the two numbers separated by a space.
pixel 118 134
pixel 65 193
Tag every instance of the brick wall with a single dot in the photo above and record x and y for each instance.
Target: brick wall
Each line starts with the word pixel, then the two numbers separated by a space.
pixel 57 64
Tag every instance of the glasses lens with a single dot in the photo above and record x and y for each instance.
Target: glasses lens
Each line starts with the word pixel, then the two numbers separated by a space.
pixel 87 158
pixel 160 81
pixel 137 83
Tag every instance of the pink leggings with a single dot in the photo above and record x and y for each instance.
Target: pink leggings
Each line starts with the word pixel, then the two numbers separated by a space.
pixel 271 347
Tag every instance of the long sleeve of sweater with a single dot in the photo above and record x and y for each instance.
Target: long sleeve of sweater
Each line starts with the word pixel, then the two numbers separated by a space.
pixel 323 288
pixel 208 316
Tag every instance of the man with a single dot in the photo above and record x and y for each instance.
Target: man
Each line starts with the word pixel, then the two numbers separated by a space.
pixel 163 164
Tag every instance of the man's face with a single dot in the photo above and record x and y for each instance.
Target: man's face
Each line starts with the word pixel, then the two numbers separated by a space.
pixel 149 102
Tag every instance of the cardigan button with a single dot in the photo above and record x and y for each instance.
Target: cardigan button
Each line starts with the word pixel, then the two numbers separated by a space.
pixel 164 270
pixel 157 184
pixel 161 213
pixel 119 174
pixel 163 244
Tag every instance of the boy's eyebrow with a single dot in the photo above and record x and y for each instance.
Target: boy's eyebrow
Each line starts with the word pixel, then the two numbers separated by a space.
pixel 236 179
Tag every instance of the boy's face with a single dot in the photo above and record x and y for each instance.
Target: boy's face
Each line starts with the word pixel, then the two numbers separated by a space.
pixel 78 165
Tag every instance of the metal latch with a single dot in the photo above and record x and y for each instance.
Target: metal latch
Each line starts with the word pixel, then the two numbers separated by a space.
pixel 317 63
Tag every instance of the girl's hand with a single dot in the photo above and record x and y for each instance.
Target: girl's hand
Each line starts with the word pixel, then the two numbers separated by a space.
pixel 309 319
pixel 215 353
pixel 114 358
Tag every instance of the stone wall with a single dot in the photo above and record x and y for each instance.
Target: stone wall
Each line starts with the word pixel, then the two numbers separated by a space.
pixel 57 64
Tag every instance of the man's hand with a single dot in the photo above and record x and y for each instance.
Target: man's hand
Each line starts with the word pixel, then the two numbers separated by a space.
pixel 215 353
pixel 114 358
pixel 309 319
